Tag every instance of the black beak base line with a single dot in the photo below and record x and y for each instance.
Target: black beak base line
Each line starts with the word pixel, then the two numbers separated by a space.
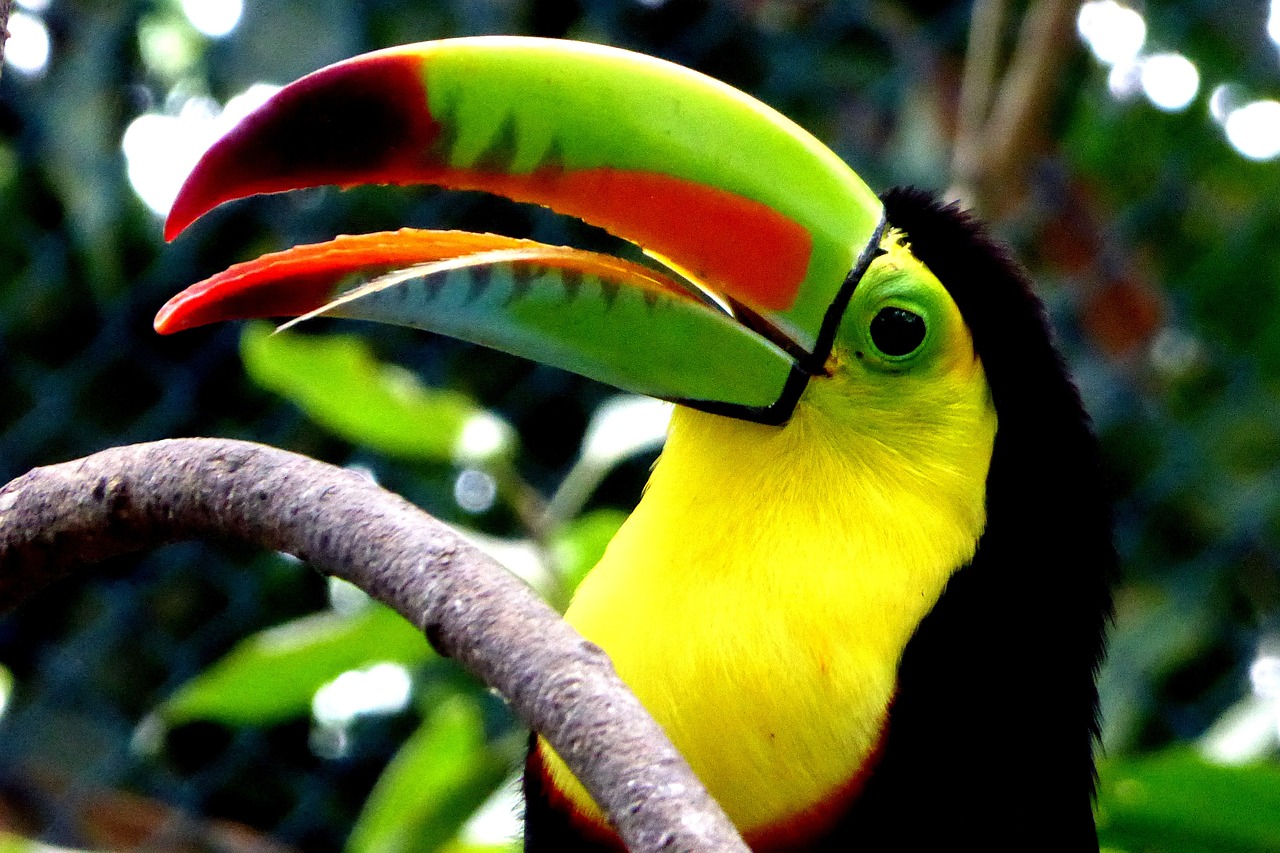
pixel 807 364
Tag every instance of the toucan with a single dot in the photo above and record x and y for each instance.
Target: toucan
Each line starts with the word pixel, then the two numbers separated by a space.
pixel 865 591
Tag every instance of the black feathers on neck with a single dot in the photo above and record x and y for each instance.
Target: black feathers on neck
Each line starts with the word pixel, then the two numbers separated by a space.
pixel 992 730
pixel 990 736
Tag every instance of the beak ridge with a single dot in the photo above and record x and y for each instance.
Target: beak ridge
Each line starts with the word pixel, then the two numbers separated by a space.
pixel 731 194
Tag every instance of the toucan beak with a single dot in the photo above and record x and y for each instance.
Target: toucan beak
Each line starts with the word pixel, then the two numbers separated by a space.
pixel 759 232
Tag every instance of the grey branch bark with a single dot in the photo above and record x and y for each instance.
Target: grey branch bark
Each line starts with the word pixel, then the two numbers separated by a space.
pixel 977 88
pixel 57 519
pixel 1002 114
pixel 1044 42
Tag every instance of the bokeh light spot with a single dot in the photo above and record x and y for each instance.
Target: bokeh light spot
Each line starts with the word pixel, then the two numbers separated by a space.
pixel 1254 130
pixel 1224 100
pixel 1170 81
pixel 1115 34
pixel 1124 81
pixel 483 436
pixel 383 688
pixel 161 150
pixel 168 48
pixel 475 491
pixel 27 50
pixel 214 18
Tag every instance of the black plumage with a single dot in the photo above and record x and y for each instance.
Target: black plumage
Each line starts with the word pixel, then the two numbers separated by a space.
pixel 991 734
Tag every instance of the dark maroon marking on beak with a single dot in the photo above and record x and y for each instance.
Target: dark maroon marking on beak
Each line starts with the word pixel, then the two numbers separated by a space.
pixel 364 121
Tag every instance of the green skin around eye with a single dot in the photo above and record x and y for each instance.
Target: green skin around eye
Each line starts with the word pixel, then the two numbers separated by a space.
pixel 898 281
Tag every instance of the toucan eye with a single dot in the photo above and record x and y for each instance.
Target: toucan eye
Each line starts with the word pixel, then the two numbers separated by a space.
pixel 897 331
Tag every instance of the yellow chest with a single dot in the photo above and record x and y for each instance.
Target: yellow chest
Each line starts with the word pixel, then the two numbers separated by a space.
pixel 759 599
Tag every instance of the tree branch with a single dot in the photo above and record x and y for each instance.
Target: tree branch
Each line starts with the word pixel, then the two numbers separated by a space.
pixel 992 151
pixel 54 520
pixel 1043 43
pixel 977 88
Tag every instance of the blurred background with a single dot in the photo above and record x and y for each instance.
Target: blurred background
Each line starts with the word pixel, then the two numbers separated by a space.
pixel 209 698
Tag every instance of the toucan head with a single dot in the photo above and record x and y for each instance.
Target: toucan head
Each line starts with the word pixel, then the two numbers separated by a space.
pixel 768 261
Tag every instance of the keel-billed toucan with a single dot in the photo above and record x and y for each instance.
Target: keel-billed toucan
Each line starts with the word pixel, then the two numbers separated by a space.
pixel 865 589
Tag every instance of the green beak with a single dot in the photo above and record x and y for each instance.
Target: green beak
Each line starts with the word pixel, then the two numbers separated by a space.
pixel 758 232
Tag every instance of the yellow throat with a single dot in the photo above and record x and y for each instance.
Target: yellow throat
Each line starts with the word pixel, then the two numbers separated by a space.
pixel 759 598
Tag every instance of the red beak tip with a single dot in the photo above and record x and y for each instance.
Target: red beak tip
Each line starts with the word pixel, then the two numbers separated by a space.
pixel 165 322
pixel 177 220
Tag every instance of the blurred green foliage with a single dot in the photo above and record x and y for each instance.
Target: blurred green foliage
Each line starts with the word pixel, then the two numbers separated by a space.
pixel 1176 800
pixel 182 684
pixel 338 383
pixel 441 775
pixel 272 676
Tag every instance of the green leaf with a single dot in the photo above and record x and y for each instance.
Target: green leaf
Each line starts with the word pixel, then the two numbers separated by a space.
pixel 273 675
pixel 437 780
pixel 337 381
pixel 1177 802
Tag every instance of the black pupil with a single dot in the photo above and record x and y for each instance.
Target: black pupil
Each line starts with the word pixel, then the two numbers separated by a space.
pixel 897 331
